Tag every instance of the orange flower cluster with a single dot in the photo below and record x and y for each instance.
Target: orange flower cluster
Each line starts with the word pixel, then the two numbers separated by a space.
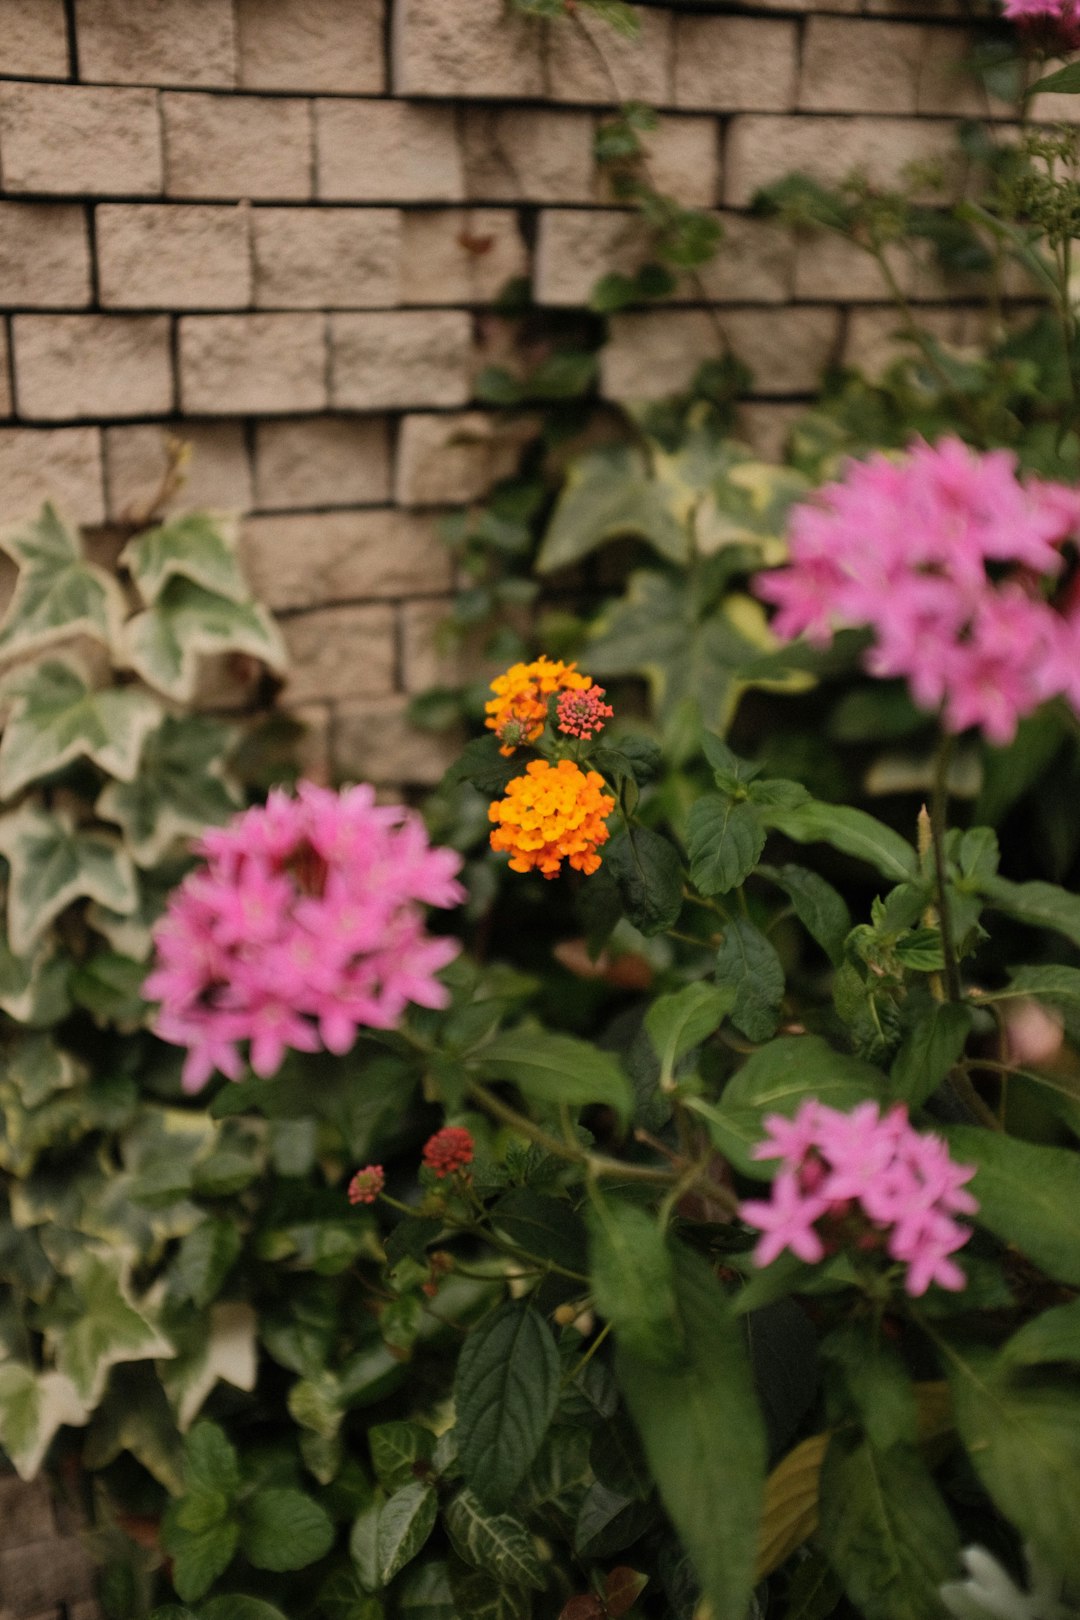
pixel 517 712
pixel 551 814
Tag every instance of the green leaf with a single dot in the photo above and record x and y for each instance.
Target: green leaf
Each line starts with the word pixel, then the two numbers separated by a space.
pixel 1027 1195
pixel 549 1068
pixel 204 1260
pixel 58 594
pixel 196 547
pixel 929 1050
pixel 342 1597
pixel 493 1542
pixel 548 1228
pixel 218 1348
pixel 34 987
pixel 405 1521
pixel 284 1529
pixel 703 1436
pixel 179 790
pixel 1023 1439
pixel 851 831
pixel 109 1326
pixel 647 870
pixel 1040 905
pixel 53 863
pixel 109 987
pixel 1058 985
pixel 425 1593
pixel 210 1461
pixel 607 1521
pixel 1065 82
pixel 199 1557
pixel 505 1392
pixel 747 964
pixel 234 1606
pixel 819 907
pixel 396 1449
pixel 608 494
pixel 39 1069
pixel 166 643
pixel 724 839
pixel 1052 1336
pixel 633 1280
pixel 33 1406
pixel 56 716
pixel 677 1023
pixel 885 1529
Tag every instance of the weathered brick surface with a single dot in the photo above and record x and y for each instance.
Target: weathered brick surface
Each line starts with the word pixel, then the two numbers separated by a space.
pixel 327 258
pixel 36 1576
pixel 875 336
pixel 72 366
pixel 168 42
pixel 322 461
pixel 217 477
pixel 850 65
pixel 300 559
pixel 683 159
pixel 44 256
pixel 5 384
pixel 758 150
pixel 460 256
pixel 340 653
pixel 528 154
pixel 735 63
pixel 70 139
pixel 448 459
pixel 33 39
pixel 311 45
pixel 828 266
pixel 766 428
pixel 169 256
pixel 400 357
pixel 430 658
pixel 374 742
pixel 237 146
pixel 387 151
pixel 58 464
pixel 657 353
pixel 262 364
pixel 470 48
pixel 589 63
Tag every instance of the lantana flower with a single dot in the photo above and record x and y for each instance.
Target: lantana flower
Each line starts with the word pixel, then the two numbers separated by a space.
pixel 583 714
pixel 950 558
pixel 865 1180
pixel 517 712
pixel 449 1150
pixel 551 814
pixel 305 924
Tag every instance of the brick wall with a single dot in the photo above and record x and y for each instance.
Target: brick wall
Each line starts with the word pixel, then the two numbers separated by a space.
pixel 277 228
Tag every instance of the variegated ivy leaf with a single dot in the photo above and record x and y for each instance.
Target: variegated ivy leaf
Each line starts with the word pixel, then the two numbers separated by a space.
pixel 56 716
pixel 196 547
pixel 135 1417
pixel 165 644
pixel 179 789
pixel 34 987
pixel 58 594
pixel 33 1406
pixel 218 1347
pixel 130 932
pixel 38 1068
pixel 54 862
pixel 106 1325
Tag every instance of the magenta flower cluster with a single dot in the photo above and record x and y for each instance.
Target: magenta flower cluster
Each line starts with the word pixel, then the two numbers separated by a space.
pixel 304 925
pixel 1062 11
pixel 952 560
pixel 867 1181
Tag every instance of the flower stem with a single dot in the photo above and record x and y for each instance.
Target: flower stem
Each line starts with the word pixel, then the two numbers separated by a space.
pixel 939 810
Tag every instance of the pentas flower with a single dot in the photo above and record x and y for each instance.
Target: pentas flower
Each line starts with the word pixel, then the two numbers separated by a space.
pixel 583 714
pixel 517 712
pixel 551 814
pixel 448 1150
pixel 950 558
pixel 863 1180
pixel 305 924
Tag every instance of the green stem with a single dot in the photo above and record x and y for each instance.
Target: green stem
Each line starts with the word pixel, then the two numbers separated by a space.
pixel 938 813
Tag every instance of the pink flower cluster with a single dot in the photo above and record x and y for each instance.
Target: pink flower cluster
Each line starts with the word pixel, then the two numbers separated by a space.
pixel 951 559
pixel 863 1180
pixel 583 714
pixel 1061 12
pixel 304 925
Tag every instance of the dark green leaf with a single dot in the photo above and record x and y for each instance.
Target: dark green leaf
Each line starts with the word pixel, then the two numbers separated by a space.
pixel 1040 905
pixel 1027 1195
pixel 676 1023
pixel 607 1522
pixel 1052 1336
pixel 550 1068
pixel 234 1606
pixel 406 1520
pixel 846 829
pixel 505 1392
pixel 284 1529
pixel 204 1260
pixel 819 907
pixel 608 494
pixel 494 1542
pixel 617 1459
pixel 633 1280
pixel 1065 82
pixel 748 964
pixel 928 1051
pixel 396 1451
pixel 545 1227
pixel 648 872
pixel 724 839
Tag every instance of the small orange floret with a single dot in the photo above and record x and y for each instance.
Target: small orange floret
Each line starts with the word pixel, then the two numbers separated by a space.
pixel 517 712
pixel 551 814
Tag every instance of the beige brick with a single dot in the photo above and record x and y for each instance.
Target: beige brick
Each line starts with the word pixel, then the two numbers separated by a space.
pixel 400 357
pixel 312 45
pixel 730 63
pixel 314 746
pixel 305 559
pixel 856 65
pixel 33 39
pixel 322 461
pixel 832 266
pixel 588 61
pixel 92 365
pixel 683 160
pixel 766 428
pixel 1052 109
pixel 657 353
pixel 754 264
pixel 447 460
pixel 73 139
pixel 40 1574
pixel 528 154
pixel 338 653
pixel 58 464
pixel 168 42
pixel 947 82
pixel 432 656
pixel 472 48
pixel 387 151
pixel 913 8
pixel 173 256
pixel 5 382
pixel 233 365
pixel 216 478
pixel 319 258
pixel 460 256
pixel 237 146
pixel 44 256
pixel 875 337
pixel 759 150
pixel 374 742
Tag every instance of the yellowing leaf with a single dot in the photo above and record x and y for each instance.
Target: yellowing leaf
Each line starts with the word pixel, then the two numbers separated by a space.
pixel 789 1514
